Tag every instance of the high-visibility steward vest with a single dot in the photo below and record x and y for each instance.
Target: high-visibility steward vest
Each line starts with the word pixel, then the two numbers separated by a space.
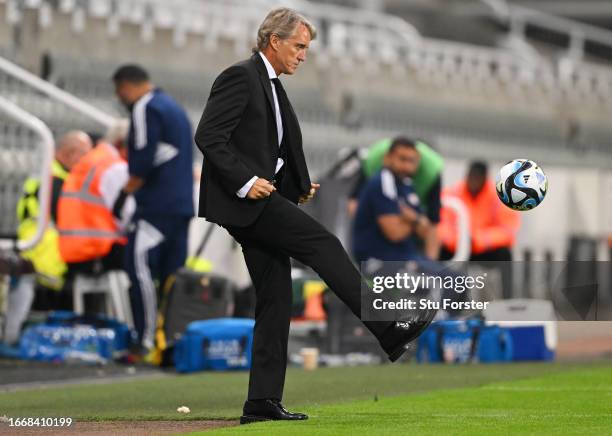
pixel 492 225
pixel 45 256
pixel 86 225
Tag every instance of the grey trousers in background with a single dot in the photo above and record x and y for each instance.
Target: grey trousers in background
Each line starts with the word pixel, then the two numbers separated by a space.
pixel 20 300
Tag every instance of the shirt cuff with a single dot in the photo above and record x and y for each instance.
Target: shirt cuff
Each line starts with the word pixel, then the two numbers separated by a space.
pixel 242 192
pixel 127 212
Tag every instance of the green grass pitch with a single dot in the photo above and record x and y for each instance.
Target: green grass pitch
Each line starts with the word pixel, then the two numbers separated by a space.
pixel 544 398
pixel 576 402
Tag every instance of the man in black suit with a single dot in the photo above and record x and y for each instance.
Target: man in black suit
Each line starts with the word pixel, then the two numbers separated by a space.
pixel 255 176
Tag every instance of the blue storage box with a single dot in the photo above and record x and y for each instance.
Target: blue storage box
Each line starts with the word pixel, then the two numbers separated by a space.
pixel 461 341
pixel 530 343
pixel 495 344
pixel 531 325
pixel 215 344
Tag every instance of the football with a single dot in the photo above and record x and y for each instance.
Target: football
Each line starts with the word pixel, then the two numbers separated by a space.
pixel 521 184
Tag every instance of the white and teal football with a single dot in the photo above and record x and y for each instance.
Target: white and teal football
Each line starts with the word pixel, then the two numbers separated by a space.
pixel 521 184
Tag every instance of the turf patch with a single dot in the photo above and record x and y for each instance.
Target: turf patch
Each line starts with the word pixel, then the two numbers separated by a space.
pixel 574 402
pixel 220 395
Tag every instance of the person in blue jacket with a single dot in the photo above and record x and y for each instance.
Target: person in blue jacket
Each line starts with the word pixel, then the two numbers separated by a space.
pixel 160 162
pixel 389 217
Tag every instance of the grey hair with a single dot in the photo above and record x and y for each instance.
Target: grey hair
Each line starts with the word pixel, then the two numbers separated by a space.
pixel 283 22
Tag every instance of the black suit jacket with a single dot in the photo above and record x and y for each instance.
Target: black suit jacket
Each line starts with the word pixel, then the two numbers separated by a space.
pixel 238 137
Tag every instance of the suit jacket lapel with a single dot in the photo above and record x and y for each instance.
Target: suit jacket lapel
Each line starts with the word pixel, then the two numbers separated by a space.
pixel 265 80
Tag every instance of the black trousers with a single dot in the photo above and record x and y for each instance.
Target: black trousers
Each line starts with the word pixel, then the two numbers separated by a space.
pixel 282 231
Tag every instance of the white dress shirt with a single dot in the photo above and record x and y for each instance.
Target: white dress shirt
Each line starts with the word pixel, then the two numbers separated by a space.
pixel 279 127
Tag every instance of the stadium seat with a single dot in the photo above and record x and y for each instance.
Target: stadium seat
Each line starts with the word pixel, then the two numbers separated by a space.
pixel 113 285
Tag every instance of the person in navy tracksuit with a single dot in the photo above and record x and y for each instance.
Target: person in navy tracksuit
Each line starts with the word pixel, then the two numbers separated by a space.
pixel 160 162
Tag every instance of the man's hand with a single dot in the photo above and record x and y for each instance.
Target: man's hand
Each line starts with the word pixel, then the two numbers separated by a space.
pixel 133 184
pixel 408 213
pixel 262 188
pixel 423 225
pixel 307 197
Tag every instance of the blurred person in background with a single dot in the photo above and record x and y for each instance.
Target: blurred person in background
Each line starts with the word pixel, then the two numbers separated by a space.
pixel 426 182
pixel 493 226
pixel 92 236
pixel 389 217
pixel 390 221
pixel 50 269
pixel 45 256
pixel 160 164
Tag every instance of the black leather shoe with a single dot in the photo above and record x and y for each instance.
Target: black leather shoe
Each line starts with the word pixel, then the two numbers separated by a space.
pixel 267 410
pixel 402 333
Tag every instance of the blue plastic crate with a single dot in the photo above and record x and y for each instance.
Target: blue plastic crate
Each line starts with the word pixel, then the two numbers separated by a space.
pixel 215 344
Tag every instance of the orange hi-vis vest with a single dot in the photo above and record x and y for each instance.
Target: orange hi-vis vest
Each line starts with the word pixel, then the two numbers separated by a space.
pixel 492 225
pixel 86 226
